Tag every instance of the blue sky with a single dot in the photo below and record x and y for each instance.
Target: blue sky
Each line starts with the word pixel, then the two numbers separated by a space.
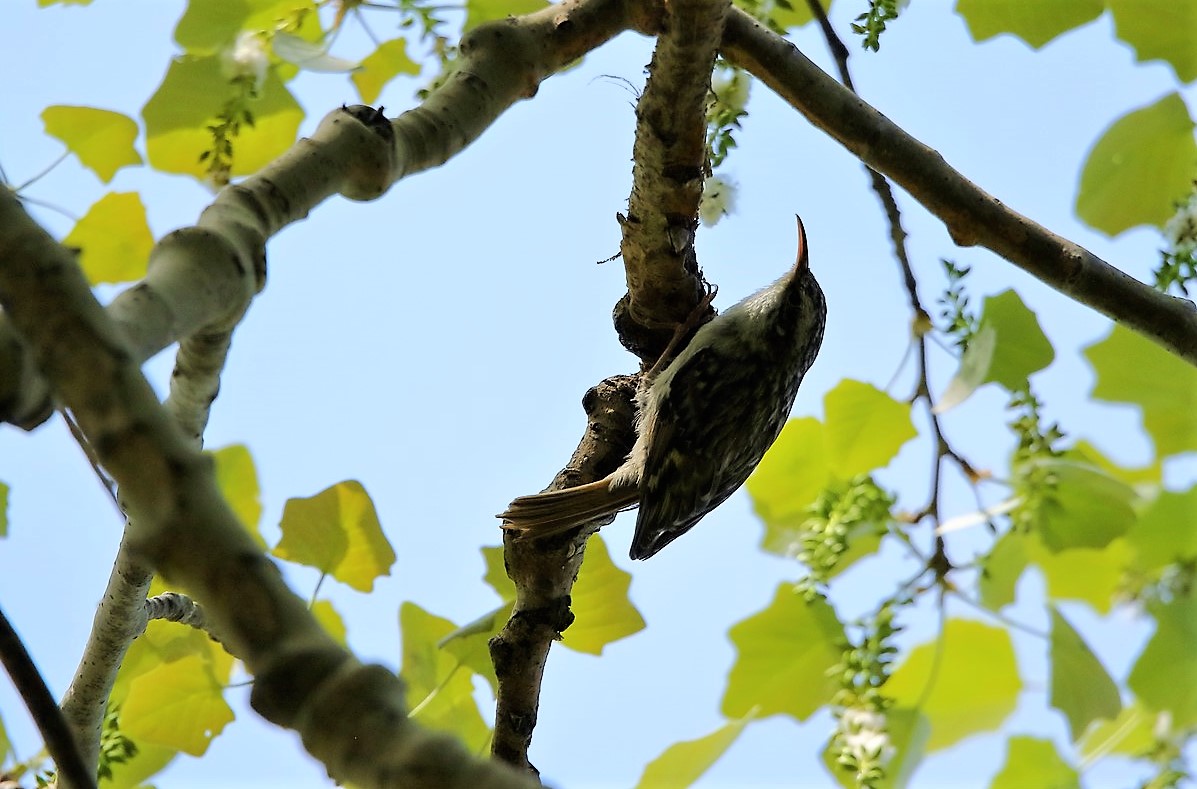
pixel 435 344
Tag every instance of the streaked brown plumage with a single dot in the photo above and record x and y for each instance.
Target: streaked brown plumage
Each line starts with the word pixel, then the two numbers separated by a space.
pixel 704 422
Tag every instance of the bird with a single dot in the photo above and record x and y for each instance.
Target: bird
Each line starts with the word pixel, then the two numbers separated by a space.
pixel 703 422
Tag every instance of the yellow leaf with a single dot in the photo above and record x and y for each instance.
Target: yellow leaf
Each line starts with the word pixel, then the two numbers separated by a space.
pixel 102 139
pixel 192 96
pixel 602 611
pixel 165 642
pixel 179 705
pixel 330 620
pixel 337 532
pixel 113 238
pixel 496 572
pixel 440 689
pixel 238 482
pixel 683 763
pixel 381 66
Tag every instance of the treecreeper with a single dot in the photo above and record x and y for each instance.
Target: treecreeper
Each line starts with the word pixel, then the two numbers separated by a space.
pixel 704 422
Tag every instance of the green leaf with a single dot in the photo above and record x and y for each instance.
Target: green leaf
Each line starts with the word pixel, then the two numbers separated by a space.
pixel 1000 570
pixel 439 694
pixel 974 367
pixel 1081 688
pixel 496 572
pixel 326 614
pixel 1164 533
pixel 1140 167
pixel 149 760
pixel 188 101
pixel 1089 575
pixel 337 532
pixel 908 732
pixel 1150 476
pixel 965 682
pixel 238 482
pixel 1131 369
pixel 102 139
pixel 788 480
pixel 1088 509
pixel 782 657
pixel 683 763
pixel 178 705
pixel 865 427
pixel 1022 348
pixel 3 509
pixel 381 66
pixel 1034 21
pixel 113 239
pixel 207 26
pixel 479 11
pixel 5 743
pixel 1159 30
pixel 470 643
pixel 1034 762
pixel 1131 733
pixel 1009 346
pixel 1165 675
pixel 602 611
pixel 784 15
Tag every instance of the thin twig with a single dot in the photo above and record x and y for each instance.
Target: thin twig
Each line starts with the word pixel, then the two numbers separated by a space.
pixel 971 215
pixel 885 193
pixel 42 707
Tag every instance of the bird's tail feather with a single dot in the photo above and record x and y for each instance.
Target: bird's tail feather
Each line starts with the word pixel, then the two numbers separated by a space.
pixel 546 514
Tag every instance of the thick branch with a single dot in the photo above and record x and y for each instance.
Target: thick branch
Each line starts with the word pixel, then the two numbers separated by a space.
pixel 670 160
pixel 123 612
pixel 544 571
pixel 663 288
pixel 350 716
pixel 971 215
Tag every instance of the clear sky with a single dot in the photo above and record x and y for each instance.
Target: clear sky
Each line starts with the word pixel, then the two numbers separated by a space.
pixel 435 345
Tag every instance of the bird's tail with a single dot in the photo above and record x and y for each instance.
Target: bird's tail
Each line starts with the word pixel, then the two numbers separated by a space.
pixel 546 514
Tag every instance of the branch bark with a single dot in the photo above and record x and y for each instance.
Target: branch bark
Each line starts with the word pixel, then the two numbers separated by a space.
pixel 971 215
pixel 664 286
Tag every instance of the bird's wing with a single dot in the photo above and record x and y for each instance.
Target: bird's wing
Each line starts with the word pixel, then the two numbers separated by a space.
pixel 691 466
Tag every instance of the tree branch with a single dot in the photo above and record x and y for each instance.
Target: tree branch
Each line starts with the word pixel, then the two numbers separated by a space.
pixel 45 713
pixel 663 288
pixel 544 572
pixel 120 617
pixel 971 215
pixel 670 161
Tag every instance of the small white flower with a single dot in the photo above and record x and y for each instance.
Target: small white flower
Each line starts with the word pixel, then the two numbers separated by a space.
pixel 855 719
pixel 1163 725
pixel 863 735
pixel 731 89
pixel 718 199
pixel 246 57
pixel 1181 230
